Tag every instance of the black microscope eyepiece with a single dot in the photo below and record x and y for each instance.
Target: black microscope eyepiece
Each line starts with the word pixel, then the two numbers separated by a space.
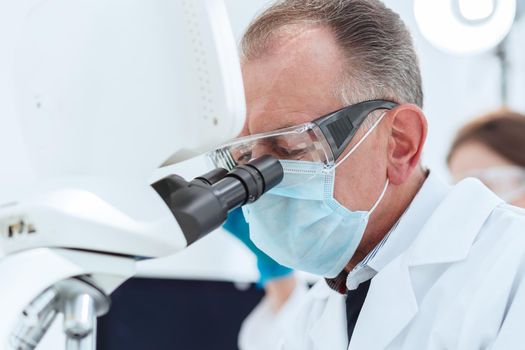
pixel 202 205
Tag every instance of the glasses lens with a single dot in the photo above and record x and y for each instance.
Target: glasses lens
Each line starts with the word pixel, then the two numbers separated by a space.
pixel 501 179
pixel 304 143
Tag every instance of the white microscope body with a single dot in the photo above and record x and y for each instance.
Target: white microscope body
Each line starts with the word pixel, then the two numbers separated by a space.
pixel 106 91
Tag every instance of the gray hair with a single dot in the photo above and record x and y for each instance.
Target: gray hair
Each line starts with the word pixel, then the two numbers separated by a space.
pixel 381 62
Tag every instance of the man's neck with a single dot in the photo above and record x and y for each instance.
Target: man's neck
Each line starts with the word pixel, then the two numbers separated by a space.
pixel 387 214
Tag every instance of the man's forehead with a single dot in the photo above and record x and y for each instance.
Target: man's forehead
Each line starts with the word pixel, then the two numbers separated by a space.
pixel 294 82
pixel 294 38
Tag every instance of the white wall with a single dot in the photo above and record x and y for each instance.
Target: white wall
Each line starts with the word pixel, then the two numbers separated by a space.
pixel 517 65
pixel 14 166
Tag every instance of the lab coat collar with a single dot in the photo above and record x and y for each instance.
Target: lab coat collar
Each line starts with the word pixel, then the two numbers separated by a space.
pixel 428 198
pixel 449 234
pixel 403 233
pixel 446 236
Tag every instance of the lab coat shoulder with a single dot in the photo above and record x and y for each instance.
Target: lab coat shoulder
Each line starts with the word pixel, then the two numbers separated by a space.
pixel 476 302
pixel 459 285
pixel 507 225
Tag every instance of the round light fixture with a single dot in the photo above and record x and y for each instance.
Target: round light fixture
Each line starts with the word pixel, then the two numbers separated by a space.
pixel 465 26
pixel 476 10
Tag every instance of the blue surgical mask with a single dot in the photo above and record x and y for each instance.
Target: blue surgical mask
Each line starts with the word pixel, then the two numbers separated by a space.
pixel 301 225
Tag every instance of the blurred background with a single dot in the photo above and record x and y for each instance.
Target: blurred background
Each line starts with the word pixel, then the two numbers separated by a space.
pixel 207 289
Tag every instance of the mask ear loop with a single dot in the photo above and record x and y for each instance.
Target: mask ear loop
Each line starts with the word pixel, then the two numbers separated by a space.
pixel 376 123
pixel 380 198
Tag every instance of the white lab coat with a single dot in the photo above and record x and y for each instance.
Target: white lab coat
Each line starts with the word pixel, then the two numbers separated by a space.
pixel 460 284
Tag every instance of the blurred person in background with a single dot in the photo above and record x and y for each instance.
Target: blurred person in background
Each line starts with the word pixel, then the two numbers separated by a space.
pixel 492 149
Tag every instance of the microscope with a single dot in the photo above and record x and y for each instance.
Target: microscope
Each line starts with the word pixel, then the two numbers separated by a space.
pixel 105 92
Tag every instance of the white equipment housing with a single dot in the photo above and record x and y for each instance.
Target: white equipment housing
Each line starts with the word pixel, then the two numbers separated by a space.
pixel 106 91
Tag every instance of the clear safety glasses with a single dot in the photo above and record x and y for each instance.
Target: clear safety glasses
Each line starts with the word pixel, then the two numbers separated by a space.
pixel 323 140
pixel 503 180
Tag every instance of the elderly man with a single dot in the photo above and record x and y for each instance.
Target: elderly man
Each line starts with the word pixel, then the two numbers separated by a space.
pixel 333 89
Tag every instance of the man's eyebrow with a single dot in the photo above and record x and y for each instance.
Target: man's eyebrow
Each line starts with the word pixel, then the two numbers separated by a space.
pixel 288 125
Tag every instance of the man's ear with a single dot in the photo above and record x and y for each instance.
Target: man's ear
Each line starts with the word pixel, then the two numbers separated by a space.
pixel 405 144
